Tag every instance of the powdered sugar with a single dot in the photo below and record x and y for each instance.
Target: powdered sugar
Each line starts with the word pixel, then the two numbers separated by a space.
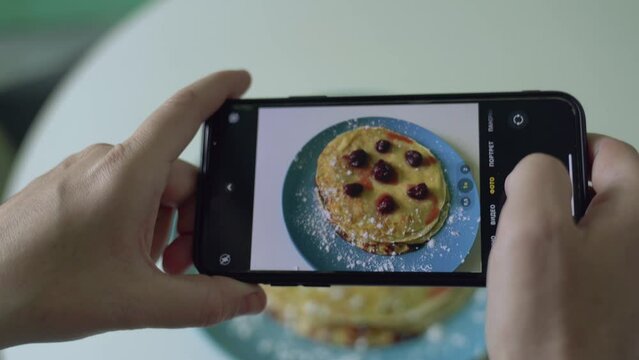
pixel 318 241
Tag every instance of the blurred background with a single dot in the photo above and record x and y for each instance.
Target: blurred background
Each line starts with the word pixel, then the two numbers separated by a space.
pixel 40 40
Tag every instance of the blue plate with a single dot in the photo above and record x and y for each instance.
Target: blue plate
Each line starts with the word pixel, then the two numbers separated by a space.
pixel 460 337
pixel 315 237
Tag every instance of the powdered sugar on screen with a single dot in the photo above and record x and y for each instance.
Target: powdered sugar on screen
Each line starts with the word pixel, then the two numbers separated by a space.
pixel 313 221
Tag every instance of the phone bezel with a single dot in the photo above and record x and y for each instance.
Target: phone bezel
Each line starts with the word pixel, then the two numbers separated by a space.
pixel 311 278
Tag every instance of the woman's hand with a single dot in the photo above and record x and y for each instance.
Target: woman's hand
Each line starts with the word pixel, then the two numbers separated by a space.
pixel 78 245
pixel 560 290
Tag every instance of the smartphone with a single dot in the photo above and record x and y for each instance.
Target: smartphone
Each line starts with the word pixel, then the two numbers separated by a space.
pixel 377 190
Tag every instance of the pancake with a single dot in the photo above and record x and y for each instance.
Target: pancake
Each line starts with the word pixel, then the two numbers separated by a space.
pixel 361 169
pixel 353 315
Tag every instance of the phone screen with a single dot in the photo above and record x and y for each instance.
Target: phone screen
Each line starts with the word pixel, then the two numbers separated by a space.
pixel 407 187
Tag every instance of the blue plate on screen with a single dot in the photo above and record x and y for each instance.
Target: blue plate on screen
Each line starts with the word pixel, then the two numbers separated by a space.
pixel 459 337
pixel 315 238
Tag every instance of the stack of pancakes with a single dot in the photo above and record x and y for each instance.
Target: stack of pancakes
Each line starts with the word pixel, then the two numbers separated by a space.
pixel 363 315
pixel 357 219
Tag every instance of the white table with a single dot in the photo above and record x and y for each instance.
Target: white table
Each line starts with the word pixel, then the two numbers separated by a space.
pixel 587 48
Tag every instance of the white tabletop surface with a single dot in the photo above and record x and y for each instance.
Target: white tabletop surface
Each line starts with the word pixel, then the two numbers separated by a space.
pixel 588 48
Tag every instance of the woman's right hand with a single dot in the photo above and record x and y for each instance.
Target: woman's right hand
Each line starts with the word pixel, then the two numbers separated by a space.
pixel 557 289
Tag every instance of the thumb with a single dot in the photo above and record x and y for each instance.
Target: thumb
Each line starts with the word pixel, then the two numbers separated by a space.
pixel 535 216
pixel 166 132
pixel 538 193
pixel 532 226
pixel 199 300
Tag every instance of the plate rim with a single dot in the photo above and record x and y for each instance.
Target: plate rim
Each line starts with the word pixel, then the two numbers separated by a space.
pixel 373 118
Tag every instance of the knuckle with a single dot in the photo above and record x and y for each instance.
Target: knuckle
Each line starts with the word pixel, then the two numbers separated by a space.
pixel 102 169
pixel 617 145
pixel 97 148
pixel 62 189
pixel 135 143
pixel 626 158
pixel 90 150
pixel 61 196
pixel 68 162
pixel 117 154
pixel 72 159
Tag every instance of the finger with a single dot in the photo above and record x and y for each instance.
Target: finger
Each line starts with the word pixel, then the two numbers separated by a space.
pixel 615 168
pixel 538 195
pixel 178 256
pixel 161 231
pixel 165 134
pixel 186 217
pixel 614 163
pixel 180 187
pixel 89 154
pixel 199 300
pixel 181 184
